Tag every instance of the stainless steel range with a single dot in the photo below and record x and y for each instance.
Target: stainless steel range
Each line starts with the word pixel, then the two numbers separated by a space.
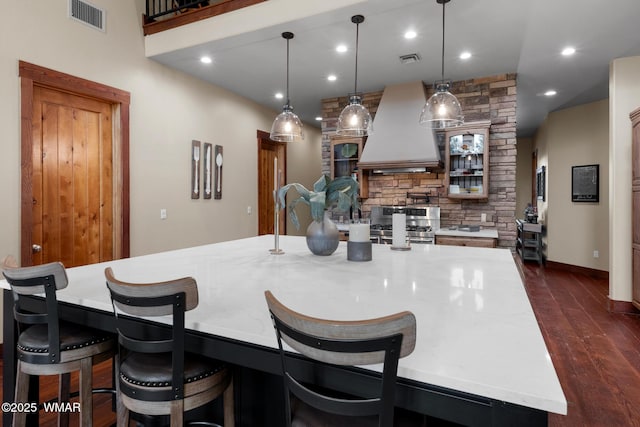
pixel 422 222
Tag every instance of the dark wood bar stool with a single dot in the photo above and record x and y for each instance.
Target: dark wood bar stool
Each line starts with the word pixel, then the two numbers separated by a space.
pixel 155 375
pixel 347 343
pixel 49 346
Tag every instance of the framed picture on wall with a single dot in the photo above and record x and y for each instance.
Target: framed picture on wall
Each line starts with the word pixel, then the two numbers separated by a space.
pixel 541 177
pixel 585 183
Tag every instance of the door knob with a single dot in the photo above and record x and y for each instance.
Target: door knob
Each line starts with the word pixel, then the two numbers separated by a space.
pixel 36 248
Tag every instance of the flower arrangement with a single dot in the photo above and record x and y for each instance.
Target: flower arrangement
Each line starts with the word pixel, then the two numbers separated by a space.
pixel 341 192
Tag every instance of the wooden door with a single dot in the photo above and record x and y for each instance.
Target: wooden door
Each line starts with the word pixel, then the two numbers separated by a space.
pixel 72 161
pixel 268 150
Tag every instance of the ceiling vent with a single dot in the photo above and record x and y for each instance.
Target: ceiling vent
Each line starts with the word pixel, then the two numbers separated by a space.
pixel 410 58
pixel 88 14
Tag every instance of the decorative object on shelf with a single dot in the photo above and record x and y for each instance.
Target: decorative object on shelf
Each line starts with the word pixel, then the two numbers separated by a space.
pixel 322 233
pixel 359 243
pixel 217 194
pixel 443 109
pixel 195 169
pixel 531 214
pixel 585 183
pixel 208 171
pixel 287 127
pixel 277 176
pixel 355 120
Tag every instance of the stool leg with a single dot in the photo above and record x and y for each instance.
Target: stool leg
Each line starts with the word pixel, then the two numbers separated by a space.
pixel 22 392
pixel 64 391
pixel 86 397
pixel 228 406
pixel 177 413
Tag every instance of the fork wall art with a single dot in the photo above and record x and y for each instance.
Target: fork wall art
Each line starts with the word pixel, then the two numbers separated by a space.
pixel 195 169
pixel 206 170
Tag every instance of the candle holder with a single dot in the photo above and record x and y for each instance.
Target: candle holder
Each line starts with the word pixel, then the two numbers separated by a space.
pixel 276 211
pixel 359 244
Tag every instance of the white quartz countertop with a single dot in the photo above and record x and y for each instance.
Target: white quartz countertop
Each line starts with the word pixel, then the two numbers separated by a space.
pixel 489 234
pixel 476 332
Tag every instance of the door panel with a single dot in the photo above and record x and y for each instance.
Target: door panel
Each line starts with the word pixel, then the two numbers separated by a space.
pixel 72 179
pixel 268 150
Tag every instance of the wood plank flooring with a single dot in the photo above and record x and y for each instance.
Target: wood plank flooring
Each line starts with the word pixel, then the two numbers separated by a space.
pixel 596 353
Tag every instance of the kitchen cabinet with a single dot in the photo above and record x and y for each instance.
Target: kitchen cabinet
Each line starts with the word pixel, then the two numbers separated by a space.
pixel 345 154
pixel 635 189
pixel 529 241
pixel 467 161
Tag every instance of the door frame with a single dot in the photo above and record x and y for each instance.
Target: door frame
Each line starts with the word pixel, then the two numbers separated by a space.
pixel 33 75
pixel 264 138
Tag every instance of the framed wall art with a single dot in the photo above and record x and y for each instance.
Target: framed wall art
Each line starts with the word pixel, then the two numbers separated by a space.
pixel 218 172
pixel 208 170
pixel 195 169
pixel 541 179
pixel 585 183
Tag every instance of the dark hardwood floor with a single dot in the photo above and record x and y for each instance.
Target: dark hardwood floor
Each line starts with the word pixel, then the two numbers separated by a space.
pixel 596 353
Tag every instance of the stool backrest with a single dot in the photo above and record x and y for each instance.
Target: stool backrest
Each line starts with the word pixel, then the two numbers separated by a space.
pixel 172 298
pixel 362 342
pixel 36 280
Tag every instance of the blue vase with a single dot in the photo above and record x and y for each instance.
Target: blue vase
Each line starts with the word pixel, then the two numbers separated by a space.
pixel 323 237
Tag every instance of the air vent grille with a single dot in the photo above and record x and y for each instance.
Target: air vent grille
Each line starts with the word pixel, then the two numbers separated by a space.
pixel 410 58
pixel 87 14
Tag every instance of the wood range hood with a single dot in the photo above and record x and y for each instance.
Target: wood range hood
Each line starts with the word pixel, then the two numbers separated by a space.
pixel 398 144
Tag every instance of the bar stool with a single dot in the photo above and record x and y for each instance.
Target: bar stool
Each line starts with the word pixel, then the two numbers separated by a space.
pixel 155 375
pixel 345 343
pixel 50 346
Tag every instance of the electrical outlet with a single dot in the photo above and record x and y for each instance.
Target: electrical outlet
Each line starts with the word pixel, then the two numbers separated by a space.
pixel 163 214
pixel 483 217
pixel 248 210
pixel 596 254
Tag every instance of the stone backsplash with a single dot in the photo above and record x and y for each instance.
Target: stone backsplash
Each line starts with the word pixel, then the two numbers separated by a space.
pixel 486 98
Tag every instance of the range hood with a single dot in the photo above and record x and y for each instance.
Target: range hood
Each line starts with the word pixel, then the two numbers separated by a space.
pixel 398 143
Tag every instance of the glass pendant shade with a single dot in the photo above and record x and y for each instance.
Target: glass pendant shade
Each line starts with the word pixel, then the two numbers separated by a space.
pixel 442 110
pixel 354 120
pixel 287 127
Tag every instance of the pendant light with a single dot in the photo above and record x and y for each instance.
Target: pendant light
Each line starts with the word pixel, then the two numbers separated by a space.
pixel 287 127
pixel 442 110
pixel 355 119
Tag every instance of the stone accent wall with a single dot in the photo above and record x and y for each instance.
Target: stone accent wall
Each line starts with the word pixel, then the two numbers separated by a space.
pixel 486 98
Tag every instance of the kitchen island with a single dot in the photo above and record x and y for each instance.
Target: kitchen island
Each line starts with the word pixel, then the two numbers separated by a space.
pixel 480 358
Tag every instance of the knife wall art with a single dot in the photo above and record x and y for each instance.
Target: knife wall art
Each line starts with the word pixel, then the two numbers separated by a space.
pixel 208 170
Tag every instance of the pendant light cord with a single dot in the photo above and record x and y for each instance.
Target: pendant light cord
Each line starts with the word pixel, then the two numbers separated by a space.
pixel 355 87
pixel 288 73
pixel 442 62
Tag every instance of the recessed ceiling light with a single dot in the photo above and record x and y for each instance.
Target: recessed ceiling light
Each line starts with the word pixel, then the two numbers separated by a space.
pixel 332 77
pixel 279 95
pixel 206 60
pixel 410 34
pixel 341 48
pixel 568 51
pixel 465 55
pixel 319 118
pixel 550 93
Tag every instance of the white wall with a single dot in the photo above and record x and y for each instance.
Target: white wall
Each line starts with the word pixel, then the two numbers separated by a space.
pixel 573 137
pixel 168 110
pixel 624 92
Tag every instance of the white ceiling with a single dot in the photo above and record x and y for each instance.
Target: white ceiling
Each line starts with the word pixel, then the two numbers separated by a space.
pixel 504 36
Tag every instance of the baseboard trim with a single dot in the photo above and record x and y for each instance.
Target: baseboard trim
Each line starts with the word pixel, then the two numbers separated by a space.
pixel 624 307
pixel 598 274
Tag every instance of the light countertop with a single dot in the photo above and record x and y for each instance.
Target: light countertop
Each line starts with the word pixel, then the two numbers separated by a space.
pixel 477 332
